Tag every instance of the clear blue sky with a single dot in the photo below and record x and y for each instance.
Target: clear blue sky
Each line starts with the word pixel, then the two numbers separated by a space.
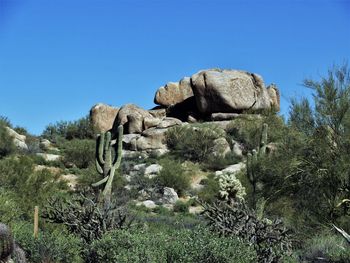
pixel 58 58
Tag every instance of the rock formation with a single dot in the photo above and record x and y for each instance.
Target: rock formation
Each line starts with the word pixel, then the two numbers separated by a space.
pixel 211 95
pixel 174 92
pixel 18 139
pixel 229 91
pixel 102 117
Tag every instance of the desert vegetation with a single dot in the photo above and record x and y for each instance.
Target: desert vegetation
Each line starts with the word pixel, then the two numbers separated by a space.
pixel 279 198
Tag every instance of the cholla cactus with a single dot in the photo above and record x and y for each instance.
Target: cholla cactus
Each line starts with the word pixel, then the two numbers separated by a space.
pixel 230 187
pixel 6 243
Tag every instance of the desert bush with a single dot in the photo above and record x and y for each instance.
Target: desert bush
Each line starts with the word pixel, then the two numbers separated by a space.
pixel 174 245
pixel 5 121
pixel 193 142
pixel 9 210
pixel 85 216
pixel 216 163
pixel 55 246
pixel 247 131
pixel 6 143
pixel 270 239
pixel 80 152
pixel 79 129
pixel 210 191
pixel 18 176
pixel 181 206
pixel 173 175
pixel 326 246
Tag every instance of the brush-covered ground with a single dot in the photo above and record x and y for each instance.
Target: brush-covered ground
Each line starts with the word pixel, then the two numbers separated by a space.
pixel 280 207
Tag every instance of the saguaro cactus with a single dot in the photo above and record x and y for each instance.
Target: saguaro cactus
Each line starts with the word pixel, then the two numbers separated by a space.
pixel 108 159
pixel 253 157
pixel 6 243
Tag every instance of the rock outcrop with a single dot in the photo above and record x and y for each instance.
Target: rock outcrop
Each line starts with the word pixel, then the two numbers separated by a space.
pixel 18 139
pixel 102 117
pixel 230 91
pixel 174 92
pixel 132 118
pixel 213 95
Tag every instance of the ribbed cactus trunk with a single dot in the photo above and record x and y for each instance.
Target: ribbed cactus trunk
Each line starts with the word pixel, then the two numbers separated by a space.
pixel 6 243
pixel 253 158
pixel 108 159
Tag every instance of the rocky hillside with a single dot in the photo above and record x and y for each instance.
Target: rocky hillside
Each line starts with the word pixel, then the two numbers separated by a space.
pixel 213 95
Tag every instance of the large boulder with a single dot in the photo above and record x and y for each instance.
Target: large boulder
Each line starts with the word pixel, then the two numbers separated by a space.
pixel 18 139
pixel 132 117
pixel 174 93
pixel 102 117
pixel 230 91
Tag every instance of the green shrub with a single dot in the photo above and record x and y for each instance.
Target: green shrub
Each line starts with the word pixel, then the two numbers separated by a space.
pixel 329 246
pixel 181 206
pixel 193 142
pixel 80 152
pixel 85 216
pixel 173 175
pixel 247 130
pixel 270 239
pixel 6 142
pixel 9 210
pixel 79 129
pixel 209 193
pixel 55 246
pixel 29 187
pixel 216 163
pixel 173 245
pixel 5 121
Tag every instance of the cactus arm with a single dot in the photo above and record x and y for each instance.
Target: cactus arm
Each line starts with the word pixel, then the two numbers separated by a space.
pixel 98 167
pixel 107 191
pixel 100 146
pixel 119 148
pixel 263 140
pixel 108 141
pixel 250 168
pixel 343 233
pixel 100 182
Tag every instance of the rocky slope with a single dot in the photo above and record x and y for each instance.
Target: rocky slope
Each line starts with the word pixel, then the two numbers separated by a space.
pixel 212 95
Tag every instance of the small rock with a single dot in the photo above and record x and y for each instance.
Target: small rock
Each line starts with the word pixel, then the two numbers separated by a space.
pixel 195 210
pixel 169 196
pixel 191 119
pixel 71 179
pixel 49 157
pixel 139 167
pixel 232 169
pixel 153 169
pixel 148 203
pixel 237 149
pixel 45 144
pixel 143 195
pixel 221 147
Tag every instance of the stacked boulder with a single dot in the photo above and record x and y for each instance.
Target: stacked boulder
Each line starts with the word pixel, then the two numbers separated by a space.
pixel 213 95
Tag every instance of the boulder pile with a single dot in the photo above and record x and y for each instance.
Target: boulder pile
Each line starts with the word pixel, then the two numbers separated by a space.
pixel 212 95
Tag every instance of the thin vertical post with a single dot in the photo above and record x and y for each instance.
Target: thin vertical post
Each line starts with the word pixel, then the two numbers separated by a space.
pixel 36 221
